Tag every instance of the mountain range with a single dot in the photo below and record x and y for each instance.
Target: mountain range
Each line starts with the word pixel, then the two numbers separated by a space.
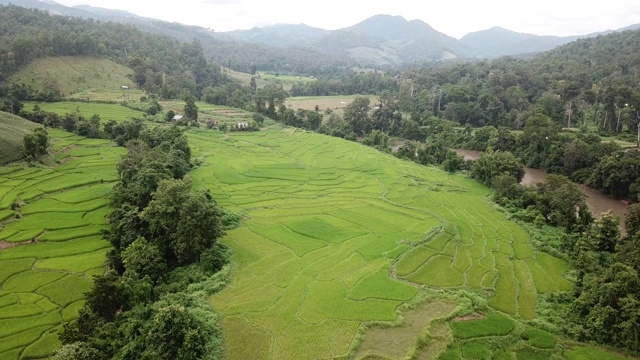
pixel 380 41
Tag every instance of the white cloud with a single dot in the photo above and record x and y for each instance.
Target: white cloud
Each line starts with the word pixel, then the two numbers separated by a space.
pixel 453 17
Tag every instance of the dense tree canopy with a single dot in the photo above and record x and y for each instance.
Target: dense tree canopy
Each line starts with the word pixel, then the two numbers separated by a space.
pixel 160 228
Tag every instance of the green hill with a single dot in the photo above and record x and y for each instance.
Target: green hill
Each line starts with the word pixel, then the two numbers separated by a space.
pixel 73 74
pixel 12 129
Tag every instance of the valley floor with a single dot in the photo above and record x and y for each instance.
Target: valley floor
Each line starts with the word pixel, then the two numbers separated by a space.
pixel 327 221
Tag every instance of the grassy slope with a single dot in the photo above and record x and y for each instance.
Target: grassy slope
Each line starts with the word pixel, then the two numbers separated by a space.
pixel 42 282
pixel 328 219
pixel 12 129
pixel 74 74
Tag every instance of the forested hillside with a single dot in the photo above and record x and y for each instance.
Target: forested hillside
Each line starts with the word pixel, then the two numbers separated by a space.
pixel 161 65
pixel 592 79
pixel 218 47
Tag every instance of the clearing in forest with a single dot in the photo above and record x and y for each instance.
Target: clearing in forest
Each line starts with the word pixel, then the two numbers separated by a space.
pixel 74 76
pixel 338 235
pixel 336 103
pixel 50 242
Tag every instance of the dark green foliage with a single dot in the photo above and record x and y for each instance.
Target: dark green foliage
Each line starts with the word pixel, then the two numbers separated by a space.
pixel 123 132
pixel 88 127
pixel 617 175
pixel 377 139
pixel 83 328
pixel 492 164
pixel 628 251
pixel 506 188
pixel 36 143
pixel 608 309
pixel 356 114
pixel 154 107
pixel 453 162
pixel 105 298
pixel 142 258
pixel 270 98
pixel 140 172
pixel 213 259
pixel 562 203
pixel 182 222
pixel 11 105
pixel 191 110
pixel 174 333
pixel 632 219
pixel 145 307
pixel 162 154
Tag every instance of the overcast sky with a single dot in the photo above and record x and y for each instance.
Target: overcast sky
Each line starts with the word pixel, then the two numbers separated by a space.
pixel 452 17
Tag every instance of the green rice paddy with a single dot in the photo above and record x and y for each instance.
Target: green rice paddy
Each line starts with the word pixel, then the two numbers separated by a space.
pixel 209 112
pixel 339 235
pixel 50 245
pixel 107 112
pixel 495 336
pixel 344 252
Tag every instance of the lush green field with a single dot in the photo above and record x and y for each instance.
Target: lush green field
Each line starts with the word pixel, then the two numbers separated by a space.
pixel 107 112
pixel 207 112
pixel 263 79
pixel 49 252
pixel 335 103
pixel 12 129
pixel 286 81
pixel 74 76
pixel 116 95
pixel 243 78
pixel 498 337
pixel 327 221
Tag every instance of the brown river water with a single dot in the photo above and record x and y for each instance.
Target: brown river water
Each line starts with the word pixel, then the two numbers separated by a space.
pixel 597 201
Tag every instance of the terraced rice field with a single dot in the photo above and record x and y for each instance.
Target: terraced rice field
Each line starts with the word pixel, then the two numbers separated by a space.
pixel 335 103
pixel 107 112
pixel 207 112
pixel 496 336
pixel 478 249
pixel 338 236
pixel 49 252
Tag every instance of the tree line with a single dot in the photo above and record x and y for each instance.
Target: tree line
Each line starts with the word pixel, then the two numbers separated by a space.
pixel 165 260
